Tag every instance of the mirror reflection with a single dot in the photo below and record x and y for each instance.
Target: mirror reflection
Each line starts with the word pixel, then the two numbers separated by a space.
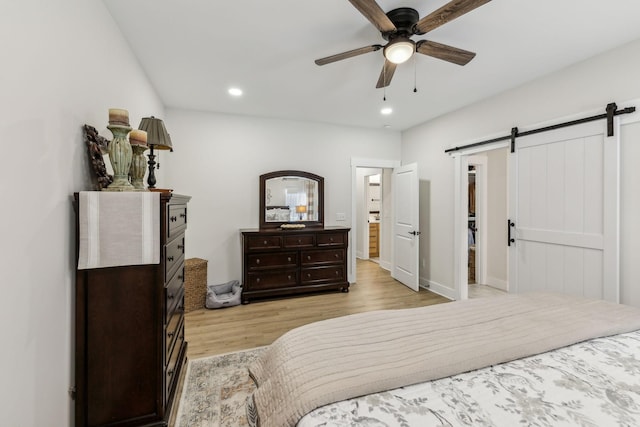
pixel 291 199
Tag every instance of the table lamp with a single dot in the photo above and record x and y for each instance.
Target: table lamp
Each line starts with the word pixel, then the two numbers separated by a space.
pixel 157 138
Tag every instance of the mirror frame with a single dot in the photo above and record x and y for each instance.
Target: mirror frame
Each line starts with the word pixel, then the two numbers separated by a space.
pixel 278 174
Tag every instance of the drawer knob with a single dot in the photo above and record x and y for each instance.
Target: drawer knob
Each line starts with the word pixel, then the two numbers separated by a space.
pixel 257 280
pixel 265 242
pixel 309 257
pixel 308 275
pixel 331 238
pixel 181 247
pixel 337 273
pixel 336 255
pixel 299 241
pixel 289 259
pixel 173 219
pixel 170 372
pixel 289 277
pixel 180 276
pixel 170 258
pixel 170 334
pixel 170 296
pixel 183 215
pixel 258 261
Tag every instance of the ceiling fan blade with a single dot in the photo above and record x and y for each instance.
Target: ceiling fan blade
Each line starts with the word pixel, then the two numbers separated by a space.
pixel 347 54
pixel 444 52
pixel 372 11
pixel 446 13
pixel 386 74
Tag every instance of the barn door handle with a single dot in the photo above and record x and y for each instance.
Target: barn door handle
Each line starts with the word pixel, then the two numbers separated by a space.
pixel 414 233
pixel 510 239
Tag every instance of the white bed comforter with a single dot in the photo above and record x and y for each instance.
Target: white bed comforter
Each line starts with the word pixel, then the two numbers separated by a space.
pixel 594 384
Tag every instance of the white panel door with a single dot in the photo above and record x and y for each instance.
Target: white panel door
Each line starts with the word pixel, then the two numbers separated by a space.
pixel 405 225
pixel 564 212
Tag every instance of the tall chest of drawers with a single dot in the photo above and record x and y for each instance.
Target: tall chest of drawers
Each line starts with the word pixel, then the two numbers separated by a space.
pixel 129 339
pixel 289 262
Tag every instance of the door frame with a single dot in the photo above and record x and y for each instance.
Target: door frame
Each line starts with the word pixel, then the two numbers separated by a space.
pixel 462 159
pixel 363 163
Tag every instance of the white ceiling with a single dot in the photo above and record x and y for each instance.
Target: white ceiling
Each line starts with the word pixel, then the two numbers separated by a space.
pixel 194 50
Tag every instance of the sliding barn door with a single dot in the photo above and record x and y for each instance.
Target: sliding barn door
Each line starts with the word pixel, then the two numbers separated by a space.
pixel 563 212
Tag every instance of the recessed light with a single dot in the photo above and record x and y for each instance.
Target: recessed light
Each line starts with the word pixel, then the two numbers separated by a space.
pixel 234 91
pixel 386 111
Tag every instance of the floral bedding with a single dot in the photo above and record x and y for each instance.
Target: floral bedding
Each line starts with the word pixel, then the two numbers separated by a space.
pixel 594 383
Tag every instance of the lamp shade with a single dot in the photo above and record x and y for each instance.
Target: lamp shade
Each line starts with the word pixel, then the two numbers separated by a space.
pixel 399 50
pixel 301 209
pixel 157 135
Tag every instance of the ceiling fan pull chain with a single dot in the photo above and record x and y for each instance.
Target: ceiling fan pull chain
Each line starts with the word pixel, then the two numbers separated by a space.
pixel 415 74
pixel 384 88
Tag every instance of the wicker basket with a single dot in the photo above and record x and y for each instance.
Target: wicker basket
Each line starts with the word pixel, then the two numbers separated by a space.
pixel 195 284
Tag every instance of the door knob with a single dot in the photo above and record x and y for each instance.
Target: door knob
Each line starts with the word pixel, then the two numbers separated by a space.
pixel 414 233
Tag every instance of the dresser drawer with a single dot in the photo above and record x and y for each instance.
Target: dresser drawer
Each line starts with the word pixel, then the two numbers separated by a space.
pixel 174 293
pixel 272 260
pixel 271 279
pixel 299 241
pixel 174 328
pixel 263 242
pixel 173 256
pixel 176 220
pixel 322 275
pixel 331 239
pixel 171 376
pixel 325 256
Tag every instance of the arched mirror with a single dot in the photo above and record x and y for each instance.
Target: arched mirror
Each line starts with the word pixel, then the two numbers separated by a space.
pixel 291 197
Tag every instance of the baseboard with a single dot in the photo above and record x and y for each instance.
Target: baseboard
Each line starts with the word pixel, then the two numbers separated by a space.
pixel 385 264
pixel 494 282
pixel 437 288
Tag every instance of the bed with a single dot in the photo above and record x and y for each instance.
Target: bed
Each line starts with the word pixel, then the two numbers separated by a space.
pixel 537 359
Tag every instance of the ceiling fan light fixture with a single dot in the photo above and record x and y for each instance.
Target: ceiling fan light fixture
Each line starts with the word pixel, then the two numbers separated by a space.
pixel 399 50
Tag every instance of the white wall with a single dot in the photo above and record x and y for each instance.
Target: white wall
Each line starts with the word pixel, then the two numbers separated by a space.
pixel 612 76
pixel 64 64
pixel 218 160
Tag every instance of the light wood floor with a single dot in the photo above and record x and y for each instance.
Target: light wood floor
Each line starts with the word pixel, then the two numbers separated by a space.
pixel 211 332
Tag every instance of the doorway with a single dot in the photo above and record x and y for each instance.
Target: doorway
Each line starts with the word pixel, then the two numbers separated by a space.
pixel 373 206
pixel 484 212
pixel 359 224
pixel 372 215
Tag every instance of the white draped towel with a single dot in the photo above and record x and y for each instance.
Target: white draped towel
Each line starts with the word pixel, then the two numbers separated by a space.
pixel 118 228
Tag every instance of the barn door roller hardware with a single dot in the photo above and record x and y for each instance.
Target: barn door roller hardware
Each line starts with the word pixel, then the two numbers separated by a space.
pixel 611 112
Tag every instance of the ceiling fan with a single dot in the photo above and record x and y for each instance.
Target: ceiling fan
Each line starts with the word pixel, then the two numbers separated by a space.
pixel 399 25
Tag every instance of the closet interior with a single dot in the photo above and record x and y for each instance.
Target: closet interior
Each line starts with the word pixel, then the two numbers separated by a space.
pixel 472 225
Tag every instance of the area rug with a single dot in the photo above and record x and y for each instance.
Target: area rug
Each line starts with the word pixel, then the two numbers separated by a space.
pixel 216 389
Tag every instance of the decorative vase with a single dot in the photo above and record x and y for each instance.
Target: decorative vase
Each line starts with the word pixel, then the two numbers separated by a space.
pixel 138 166
pixel 120 154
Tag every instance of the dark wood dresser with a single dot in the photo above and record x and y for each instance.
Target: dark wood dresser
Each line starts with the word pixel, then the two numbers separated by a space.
pixel 280 262
pixel 130 346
